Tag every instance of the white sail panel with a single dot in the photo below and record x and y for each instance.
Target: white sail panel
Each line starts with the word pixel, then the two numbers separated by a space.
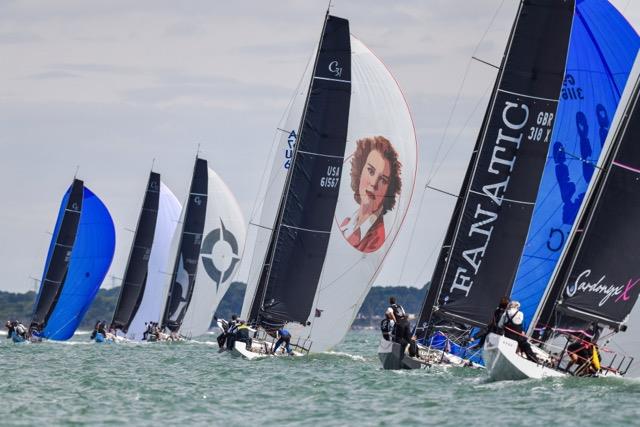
pixel 152 303
pixel 221 250
pixel 376 187
pixel 264 213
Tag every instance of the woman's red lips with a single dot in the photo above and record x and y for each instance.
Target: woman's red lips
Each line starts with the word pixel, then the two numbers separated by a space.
pixel 370 194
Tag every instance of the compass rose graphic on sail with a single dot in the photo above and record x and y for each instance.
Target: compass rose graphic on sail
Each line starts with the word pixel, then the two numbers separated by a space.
pixel 220 254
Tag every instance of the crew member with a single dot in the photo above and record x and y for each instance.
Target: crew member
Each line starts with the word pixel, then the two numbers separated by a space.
pixel 10 328
pixel 402 326
pixel 497 315
pixel 226 328
pixel 386 326
pixel 584 350
pixel 511 322
pixel 284 337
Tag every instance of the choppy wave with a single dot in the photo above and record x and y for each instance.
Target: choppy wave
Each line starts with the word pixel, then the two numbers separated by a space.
pixel 141 383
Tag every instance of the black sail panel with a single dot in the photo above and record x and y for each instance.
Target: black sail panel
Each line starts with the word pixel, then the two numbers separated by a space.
pixel 59 257
pixel 603 280
pixel 309 203
pixel 135 276
pixel 186 263
pixel 499 203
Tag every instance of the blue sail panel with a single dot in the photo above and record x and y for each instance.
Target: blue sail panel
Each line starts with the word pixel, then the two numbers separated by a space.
pixel 90 260
pixel 601 53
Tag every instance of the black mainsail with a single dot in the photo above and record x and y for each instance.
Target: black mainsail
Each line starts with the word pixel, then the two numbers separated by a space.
pixel 298 245
pixel 484 241
pixel 59 256
pixel 597 279
pixel 135 276
pixel 186 264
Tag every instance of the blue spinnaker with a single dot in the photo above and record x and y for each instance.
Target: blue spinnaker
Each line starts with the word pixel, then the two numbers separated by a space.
pixel 90 260
pixel 602 50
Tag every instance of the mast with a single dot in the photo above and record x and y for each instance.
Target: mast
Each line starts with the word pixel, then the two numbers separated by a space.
pixel 136 271
pixel 300 236
pixel 498 201
pixel 596 278
pixel 59 255
pixel 186 263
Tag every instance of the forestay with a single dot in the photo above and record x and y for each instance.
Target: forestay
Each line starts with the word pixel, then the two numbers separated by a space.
pixel 601 53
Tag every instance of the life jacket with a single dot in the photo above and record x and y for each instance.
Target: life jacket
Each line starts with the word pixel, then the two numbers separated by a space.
pixel 510 325
pixel 398 311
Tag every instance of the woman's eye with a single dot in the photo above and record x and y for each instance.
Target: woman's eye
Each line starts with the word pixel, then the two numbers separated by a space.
pixel 371 170
pixel 384 181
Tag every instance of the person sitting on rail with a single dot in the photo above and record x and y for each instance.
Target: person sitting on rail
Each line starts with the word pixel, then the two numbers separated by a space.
pixel 511 323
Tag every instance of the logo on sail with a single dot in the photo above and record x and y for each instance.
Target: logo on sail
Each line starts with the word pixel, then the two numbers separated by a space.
pixel 335 68
pixel 220 254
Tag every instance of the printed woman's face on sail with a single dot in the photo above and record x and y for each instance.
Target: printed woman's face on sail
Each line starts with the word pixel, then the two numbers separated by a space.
pixel 375 181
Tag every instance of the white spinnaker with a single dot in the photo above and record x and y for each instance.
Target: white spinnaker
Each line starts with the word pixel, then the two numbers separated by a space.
pixel 153 300
pixel 377 108
pixel 272 184
pixel 221 250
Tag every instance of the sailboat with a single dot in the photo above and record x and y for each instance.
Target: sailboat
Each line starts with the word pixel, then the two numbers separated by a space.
pixel 79 257
pixel 488 228
pixel 207 250
pixel 594 285
pixel 342 176
pixel 142 294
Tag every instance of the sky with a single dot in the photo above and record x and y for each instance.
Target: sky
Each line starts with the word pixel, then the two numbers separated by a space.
pixel 108 88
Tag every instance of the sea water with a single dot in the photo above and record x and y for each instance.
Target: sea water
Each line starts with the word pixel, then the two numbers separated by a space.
pixel 83 383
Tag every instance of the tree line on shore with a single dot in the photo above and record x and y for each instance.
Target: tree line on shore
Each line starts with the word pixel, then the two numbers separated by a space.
pixel 18 306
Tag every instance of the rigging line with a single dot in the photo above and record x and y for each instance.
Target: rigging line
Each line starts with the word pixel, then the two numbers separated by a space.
pixel 430 257
pixel 464 79
pixel 442 191
pixel 485 62
pixel 576 157
pixel 259 201
pixel 413 234
pixel 464 127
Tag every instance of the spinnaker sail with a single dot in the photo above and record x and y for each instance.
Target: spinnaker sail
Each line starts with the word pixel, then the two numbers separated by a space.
pixel 91 257
pixel 601 53
pixel 597 276
pixel 209 247
pixel 141 297
pixel 59 256
pixel 188 240
pixel 220 253
pixel 330 234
